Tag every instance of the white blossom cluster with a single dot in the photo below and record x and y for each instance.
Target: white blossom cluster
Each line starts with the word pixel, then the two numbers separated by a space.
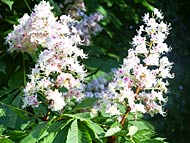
pixel 98 88
pixel 37 28
pixel 88 25
pixel 141 82
pixel 58 74
pixel 32 30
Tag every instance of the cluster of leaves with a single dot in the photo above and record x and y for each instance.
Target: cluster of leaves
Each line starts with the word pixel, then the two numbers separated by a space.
pixel 18 125
pixel 71 127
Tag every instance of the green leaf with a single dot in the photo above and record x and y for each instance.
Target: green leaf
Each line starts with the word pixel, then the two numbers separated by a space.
pixel 109 64
pixel 16 135
pixel 84 132
pixel 55 126
pixel 93 62
pixel 5 140
pixel 9 3
pixel 2 129
pixel 96 130
pixel 141 124
pixel 115 20
pixel 63 89
pixel 81 116
pixel 73 134
pixel 10 95
pixel 62 134
pixel 152 141
pixel 86 103
pixel 2 112
pixel 78 135
pixel 16 80
pixel 132 130
pixel 147 5
pixel 2 67
pixel 49 138
pixel 112 131
pixel 103 11
pixel 56 8
pixel 13 117
pixel 37 132
pixel 144 135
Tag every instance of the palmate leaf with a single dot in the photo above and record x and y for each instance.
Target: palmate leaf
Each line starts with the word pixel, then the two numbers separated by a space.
pixel 78 135
pixel 44 131
pixel 52 132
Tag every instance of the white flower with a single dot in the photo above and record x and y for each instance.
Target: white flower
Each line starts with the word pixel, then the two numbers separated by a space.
pixel 152 59
pixel 30 100
pixel 164 62
pixel 158 14
pixel 142 78
pixel 112 110
pixel 56 98
pixel 140 108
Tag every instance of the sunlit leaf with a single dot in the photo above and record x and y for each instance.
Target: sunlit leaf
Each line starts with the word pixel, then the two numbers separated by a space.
pixel 81 116
pixel 36 133
pixel 112 131
pixel 5 140
pixel 132 130
pixel 73 133
pixel 9 3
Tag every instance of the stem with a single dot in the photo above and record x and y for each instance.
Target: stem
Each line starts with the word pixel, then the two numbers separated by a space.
pixel 111 139
pixel 27 5
pixel 129 108
pixel 125 116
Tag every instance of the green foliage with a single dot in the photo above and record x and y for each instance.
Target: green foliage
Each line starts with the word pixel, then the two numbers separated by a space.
pixel 9 3
pixel 2 67
pixel 85 104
